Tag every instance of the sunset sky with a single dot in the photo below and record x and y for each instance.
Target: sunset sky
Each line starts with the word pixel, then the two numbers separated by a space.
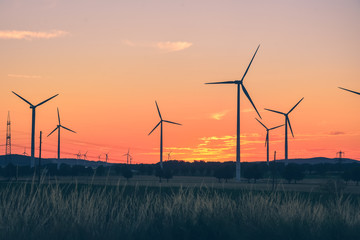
pixel 110 60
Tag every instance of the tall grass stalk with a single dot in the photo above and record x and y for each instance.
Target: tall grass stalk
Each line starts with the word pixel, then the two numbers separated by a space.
pixel 73 211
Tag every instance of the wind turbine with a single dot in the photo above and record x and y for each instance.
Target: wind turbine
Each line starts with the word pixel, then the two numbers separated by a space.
pixel 161 133
pixel 349 90
pixel 128 156
pixel 169 155
pixel 106 157
pixel 58 127
pixel 33 107
pixel 267 139
pixel 239 84
pixel 25 153
pixel 84 156
pixel 287 121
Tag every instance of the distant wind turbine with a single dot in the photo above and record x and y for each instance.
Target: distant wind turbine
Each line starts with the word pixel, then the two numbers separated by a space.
pixel 25 153
pixel 33 107
pixel 169 157
pixel 287 121
pixel 58 127
pixel 239 84
pixel 84 155
pixel 106 157
pixel 161 133
pixel 349 90
pixel 128 156
pixel 267 139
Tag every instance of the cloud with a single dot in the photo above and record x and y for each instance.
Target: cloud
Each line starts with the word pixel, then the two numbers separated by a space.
pixel 219 115
pixel 165 46
pixel 24 76
pixel 246 110
pixel 173 46
pixel 337 133
pixel 29 35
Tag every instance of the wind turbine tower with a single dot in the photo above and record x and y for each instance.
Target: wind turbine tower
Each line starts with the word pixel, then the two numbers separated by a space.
pixel 267 139
pixel 8 136
pixel 161 133
pixel 239 84
pixel 287 123
pixel 33 107
pixel 58 127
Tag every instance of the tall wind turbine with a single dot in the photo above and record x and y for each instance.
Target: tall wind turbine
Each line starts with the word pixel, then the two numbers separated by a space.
pixel 58 127
pixel 349 90
pixel 287 122
pixel 33 107
pixel 161 133
pixel 239 84
pixel 267 139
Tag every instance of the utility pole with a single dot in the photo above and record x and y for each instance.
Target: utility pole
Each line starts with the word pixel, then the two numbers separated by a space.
pixel 39 168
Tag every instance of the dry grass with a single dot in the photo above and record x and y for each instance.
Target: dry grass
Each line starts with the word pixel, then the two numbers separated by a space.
pixel 75 211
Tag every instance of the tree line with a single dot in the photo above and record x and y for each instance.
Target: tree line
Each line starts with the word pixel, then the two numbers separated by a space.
pixel 251 171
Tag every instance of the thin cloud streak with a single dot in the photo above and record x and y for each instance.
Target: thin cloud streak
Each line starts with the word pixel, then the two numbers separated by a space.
pixel 31 35
pixel 164 46
pixel 173 46
pixel 24 76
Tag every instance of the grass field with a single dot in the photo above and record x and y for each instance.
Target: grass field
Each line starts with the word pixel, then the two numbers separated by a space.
pixel 184 208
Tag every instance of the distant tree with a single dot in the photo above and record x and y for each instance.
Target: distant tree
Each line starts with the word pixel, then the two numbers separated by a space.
pixel 293 172
pixel 9 171
pixel 100 170
pixel 167 174
pixel 346 175
pixel 254 171
pixel 159 173
pixel 224 172
pixel 65 170
pixel 126 172
pixel 355 174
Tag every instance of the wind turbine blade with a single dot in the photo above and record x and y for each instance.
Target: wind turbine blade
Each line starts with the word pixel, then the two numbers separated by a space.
pixel 155 128
pixel 46 100
pixel 53 131
pixel 295 106
pixel 349 90
pixel 250 63
pixel 288 120
pixel 22 98
pixel 274 111
pixel 226 82
pixel 276 127
pixel 67 129
pixel 58 116
pixel 172 122
pixel 261 123
pixel 158 110
pixel 248 96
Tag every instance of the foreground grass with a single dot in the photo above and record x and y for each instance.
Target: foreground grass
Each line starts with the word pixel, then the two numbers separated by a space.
pixel 70 211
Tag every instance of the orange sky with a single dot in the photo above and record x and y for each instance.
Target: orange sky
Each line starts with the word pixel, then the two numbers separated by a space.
pixel 110 60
